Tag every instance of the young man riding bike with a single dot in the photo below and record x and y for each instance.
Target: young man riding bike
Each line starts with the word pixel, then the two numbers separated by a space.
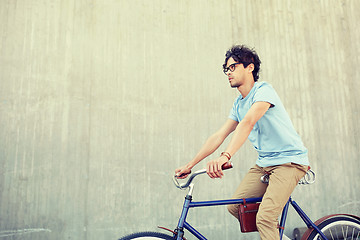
pixel 258 115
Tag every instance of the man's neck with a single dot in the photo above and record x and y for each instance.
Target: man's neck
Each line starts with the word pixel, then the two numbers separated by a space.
pixel 246 88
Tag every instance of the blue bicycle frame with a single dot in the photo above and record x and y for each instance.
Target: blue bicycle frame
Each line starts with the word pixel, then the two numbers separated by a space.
pixel 183 224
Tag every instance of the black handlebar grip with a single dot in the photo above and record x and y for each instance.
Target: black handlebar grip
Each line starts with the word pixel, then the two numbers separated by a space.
pixel 183 174
pixel 227 165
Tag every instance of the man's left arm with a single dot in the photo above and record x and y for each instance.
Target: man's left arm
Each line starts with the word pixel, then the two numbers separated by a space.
pixel 241 133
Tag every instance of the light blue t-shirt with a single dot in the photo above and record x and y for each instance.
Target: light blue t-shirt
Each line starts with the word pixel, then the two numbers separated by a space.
pixel 273 136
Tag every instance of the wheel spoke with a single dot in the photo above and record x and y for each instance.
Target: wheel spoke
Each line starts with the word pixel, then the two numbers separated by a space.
pixel 347 230
pixel 343 233
pixel 332 237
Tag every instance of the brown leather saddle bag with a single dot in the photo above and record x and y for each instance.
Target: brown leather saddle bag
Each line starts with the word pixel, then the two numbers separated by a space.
pixel 247 216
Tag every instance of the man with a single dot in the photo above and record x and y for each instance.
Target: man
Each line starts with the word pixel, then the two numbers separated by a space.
pixel 258 115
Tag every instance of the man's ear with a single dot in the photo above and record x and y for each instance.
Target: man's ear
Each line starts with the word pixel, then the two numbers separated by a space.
pixel 250 67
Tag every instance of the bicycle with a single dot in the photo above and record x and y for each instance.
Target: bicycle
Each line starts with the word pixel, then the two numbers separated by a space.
pixel 337 226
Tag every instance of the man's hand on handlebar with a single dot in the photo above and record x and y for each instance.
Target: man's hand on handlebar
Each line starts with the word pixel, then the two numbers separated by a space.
pixel 214 167
pixel 182 172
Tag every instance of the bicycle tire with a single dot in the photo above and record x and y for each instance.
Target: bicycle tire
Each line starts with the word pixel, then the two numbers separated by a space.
pixel 339 227
pixel 147 236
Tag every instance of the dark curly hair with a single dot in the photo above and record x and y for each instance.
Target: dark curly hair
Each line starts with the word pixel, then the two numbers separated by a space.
pixel 246 56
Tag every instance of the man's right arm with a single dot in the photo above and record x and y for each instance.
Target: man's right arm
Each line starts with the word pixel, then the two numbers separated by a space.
pixel 211 144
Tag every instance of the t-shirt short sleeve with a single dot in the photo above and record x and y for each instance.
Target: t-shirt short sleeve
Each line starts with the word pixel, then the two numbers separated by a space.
pixel 232 114
pixel 265 93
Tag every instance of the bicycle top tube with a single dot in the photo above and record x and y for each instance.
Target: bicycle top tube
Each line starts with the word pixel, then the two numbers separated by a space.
pixel 309 177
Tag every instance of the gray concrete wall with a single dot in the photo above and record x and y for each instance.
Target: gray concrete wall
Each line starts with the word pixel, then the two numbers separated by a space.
pixel 101 100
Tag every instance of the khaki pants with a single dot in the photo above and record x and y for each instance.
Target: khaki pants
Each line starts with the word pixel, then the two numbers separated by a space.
pixel 283 179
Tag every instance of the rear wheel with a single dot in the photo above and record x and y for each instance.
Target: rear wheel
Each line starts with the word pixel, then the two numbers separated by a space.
pixel 340 227
pixel 147 236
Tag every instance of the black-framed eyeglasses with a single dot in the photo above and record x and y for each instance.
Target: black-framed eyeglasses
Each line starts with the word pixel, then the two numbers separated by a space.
pixel 231 67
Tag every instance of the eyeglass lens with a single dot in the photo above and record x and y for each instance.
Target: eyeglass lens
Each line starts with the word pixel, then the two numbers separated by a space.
pixel 231 68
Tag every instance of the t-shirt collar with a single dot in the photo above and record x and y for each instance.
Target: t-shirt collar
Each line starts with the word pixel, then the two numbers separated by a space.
pixel 247 96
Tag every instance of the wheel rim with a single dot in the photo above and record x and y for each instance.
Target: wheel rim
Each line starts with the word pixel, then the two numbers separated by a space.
pixel 341 230
pixel 146 238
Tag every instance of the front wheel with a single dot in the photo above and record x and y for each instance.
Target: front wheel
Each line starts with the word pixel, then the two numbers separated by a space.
pixel 147 236
pixel 338 227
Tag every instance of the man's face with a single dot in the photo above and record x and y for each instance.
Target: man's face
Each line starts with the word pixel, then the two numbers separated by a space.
pixel 237 76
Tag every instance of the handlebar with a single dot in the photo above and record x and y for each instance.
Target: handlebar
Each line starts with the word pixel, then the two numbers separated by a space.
pixel 309 177
pixel 225 166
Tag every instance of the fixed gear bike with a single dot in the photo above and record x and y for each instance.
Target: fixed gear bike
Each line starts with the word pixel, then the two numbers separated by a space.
pixel 331 227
